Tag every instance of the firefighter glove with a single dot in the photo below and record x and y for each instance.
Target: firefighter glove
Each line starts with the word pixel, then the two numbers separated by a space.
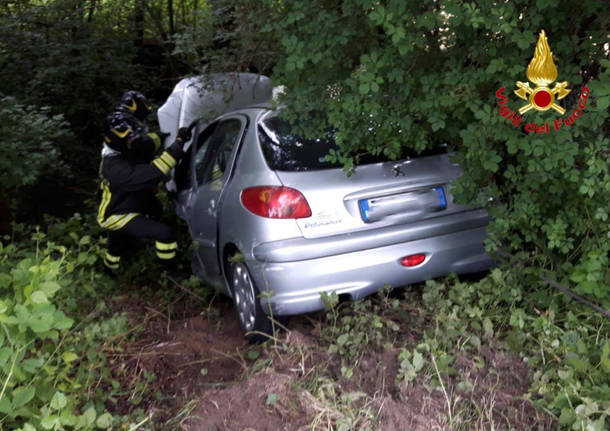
pixel 184 134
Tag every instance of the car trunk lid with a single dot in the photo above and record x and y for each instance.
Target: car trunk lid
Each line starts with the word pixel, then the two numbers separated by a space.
pixel 377 195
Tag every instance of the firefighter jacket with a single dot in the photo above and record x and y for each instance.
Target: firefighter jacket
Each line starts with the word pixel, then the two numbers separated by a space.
pixel 127 187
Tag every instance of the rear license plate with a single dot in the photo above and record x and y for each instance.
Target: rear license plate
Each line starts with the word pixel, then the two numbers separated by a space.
pixel 416 202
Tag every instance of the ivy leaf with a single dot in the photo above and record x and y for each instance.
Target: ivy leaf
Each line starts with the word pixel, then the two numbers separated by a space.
pixel 39 297
pixel 6 406
pixel 104 421
pixel 40 325
pixel 342 340
pixel 69 357
pixel 49 287
pixel 23 395
pixel 89 416
pixel 50 422
pixel 418 361
pixel 58 401
pixel 62 321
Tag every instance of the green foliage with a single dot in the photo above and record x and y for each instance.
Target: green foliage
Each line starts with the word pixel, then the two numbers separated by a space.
pixel 395 77
pixel 410 364
pixel 31 137
pixel 228 36
pixel 358 328
pixel 52 56
pixel 567 347
pixel 55 372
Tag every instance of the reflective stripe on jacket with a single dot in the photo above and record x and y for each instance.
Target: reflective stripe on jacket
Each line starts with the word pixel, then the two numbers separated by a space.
pixel 127 188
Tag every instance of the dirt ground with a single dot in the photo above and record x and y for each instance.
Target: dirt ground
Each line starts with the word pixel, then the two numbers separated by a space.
pixel 211 379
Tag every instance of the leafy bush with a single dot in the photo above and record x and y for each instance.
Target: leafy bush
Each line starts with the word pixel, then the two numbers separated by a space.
pixel 54 371
pixel 32 135
pixel 566 346
pixel 395 77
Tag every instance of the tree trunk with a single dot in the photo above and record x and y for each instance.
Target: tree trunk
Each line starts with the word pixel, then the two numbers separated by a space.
pixel 92 5
pixel 182 3
pixel 139 22
pixel 6 215
pixel 170 13
pixel 195 7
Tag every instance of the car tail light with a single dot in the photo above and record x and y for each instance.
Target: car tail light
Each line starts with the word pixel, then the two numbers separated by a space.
pixel 275 202
pixel 413 259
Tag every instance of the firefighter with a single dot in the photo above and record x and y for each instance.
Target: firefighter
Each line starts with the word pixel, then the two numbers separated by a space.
pixel 129 173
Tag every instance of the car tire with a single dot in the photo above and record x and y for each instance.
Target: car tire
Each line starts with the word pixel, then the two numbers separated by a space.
pixel 255 324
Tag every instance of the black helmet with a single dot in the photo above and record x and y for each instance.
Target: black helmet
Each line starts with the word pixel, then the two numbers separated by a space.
pixel 135 103
pixel 119 132
pixel 122 134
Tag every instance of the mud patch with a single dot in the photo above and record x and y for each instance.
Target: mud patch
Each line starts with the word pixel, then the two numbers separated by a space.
pixel 486 391
pixel 264 402
pixel 209 378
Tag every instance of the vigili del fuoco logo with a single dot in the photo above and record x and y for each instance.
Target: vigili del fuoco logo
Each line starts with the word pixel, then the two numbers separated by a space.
pixel 541 72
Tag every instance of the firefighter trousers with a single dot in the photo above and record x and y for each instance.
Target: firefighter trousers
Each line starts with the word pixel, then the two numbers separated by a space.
pixel 140 227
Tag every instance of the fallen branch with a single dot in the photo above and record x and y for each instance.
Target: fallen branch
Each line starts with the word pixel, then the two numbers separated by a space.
pixel 190 292
pixel 510 258
pixel 575 296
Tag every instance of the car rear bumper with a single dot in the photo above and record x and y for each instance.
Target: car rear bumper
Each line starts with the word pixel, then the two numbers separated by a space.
pixel 299 270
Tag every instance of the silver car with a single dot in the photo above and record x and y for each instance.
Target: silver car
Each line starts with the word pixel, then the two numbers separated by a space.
pixel 276 225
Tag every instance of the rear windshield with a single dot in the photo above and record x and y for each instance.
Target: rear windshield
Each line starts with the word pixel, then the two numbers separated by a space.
pixel 285 151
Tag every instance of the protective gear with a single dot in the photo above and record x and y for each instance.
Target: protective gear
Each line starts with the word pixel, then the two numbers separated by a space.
pixel 184 133
pixel 127 187
pixel 128 200
pixel 127 135
pixel 120 241
pixel 120 132
pixel 136 104
pixel 129 173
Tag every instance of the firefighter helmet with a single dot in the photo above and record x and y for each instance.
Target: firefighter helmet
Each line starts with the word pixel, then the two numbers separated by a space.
pixel 119 132
pixel 123 135
pixel 135 103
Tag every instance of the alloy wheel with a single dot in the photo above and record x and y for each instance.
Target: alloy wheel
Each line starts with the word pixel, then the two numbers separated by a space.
pixel 243 296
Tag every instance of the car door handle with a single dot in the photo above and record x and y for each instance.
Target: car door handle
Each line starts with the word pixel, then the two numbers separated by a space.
pixel 204 242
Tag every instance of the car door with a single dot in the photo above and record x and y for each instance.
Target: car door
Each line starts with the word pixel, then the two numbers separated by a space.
pixel 211 171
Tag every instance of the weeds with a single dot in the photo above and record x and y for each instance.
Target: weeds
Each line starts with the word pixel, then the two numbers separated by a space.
pixel 564 344
pixel 449 354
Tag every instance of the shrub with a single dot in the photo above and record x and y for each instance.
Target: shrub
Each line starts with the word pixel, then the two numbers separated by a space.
pixel 54 373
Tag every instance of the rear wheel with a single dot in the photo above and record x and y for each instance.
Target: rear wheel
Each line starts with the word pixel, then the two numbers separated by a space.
pixel 252 319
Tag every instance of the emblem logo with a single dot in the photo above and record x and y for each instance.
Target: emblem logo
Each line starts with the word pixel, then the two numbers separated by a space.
pixel 542 72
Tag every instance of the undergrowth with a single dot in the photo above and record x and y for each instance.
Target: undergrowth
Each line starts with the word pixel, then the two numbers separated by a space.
pixel 59 334
pixel 446 337
pixel 565 345
pixel 64 348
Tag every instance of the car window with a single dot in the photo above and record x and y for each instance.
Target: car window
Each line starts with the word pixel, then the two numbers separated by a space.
pixel 286 151
pixel 202 145
pixel 182 173
pixel 215 151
